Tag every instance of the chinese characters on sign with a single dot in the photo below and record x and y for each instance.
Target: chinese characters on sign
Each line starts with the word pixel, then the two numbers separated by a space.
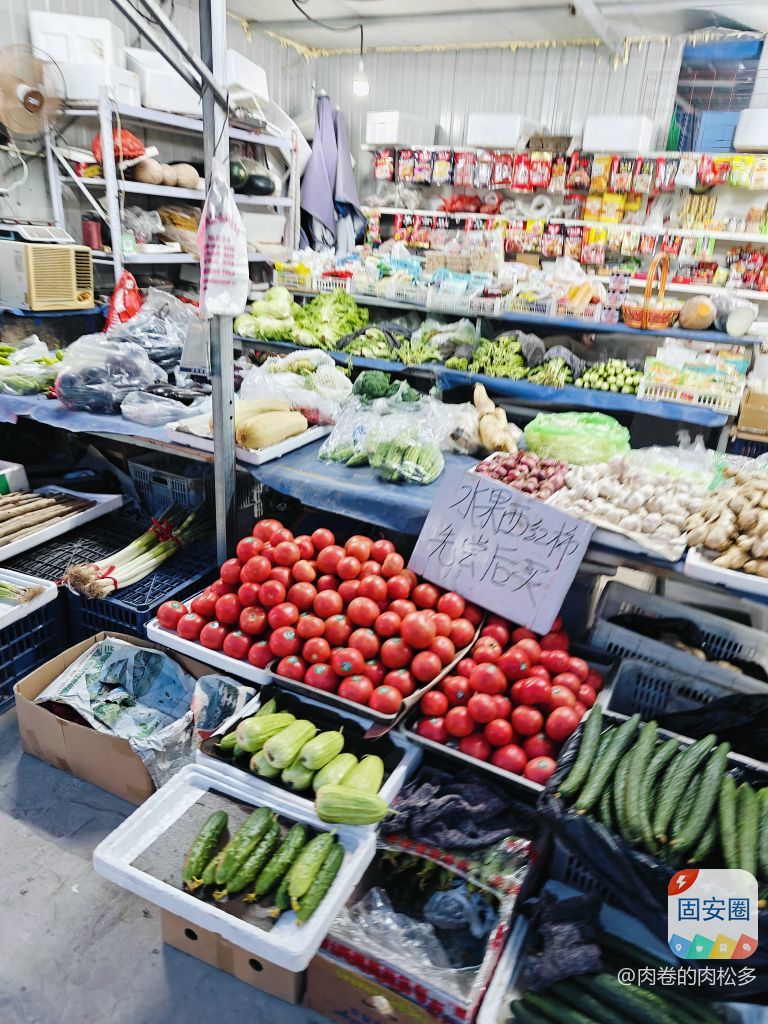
pixel 712 914
pixel 504 550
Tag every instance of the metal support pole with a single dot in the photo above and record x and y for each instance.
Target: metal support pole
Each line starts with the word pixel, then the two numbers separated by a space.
pixel 213 50
pixel 110 179
pixel 54 181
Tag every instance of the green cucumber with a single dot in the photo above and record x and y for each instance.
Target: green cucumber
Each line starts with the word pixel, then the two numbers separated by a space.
pixel 282 898
pixel 640 758
pixel 324 879
pixel 605 809
pixel 202 848
pixel 619 789
pixel 275 871
pixel 686 807
pixel 747 818
pixel 551 1008
pixel 307 865
pixel 762 833
pixel 706 843
pixel 727 821
pixel 250 833
pixel 604 768
pixel 676 779
pixel 636 1004
pixel 525 1016
pixel 696 822
pixel 209 875
pixel 585 1003
pixel 254 862
pixel 590 739
pixel 661 758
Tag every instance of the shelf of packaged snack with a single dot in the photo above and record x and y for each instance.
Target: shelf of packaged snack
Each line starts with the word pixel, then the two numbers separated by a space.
pixel 142 188
pixel 693 289
pixel 667 229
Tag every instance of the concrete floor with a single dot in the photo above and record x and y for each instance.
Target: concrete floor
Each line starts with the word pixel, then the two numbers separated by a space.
pixel 76 949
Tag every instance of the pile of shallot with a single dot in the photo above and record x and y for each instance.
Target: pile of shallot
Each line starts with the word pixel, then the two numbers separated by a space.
pixel 525 472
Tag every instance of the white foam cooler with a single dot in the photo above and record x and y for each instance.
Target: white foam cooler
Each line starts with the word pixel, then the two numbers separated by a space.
pixel 396 128
pixel 626 133
pixel 501 131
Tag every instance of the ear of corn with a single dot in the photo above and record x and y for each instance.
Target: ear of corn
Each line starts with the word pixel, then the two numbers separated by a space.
pixel 282 749
pixel 366 776
pixel 320 750
pixel 269 428
pixel 344 806
pixel 253 733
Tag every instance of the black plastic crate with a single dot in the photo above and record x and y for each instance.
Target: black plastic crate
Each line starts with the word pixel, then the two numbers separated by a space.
pixel 27 644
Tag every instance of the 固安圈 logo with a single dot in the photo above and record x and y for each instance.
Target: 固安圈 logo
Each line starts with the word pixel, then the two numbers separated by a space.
pixel 712 914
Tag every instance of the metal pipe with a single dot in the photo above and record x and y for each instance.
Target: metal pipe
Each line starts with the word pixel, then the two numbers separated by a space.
pixel 79 182
pixel 131 14
pixel 106 100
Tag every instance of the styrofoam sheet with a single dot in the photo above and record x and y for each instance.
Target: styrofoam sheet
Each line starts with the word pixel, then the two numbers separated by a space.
pixel 247 455
pixel 285 945
pixel 700 568
pixel 216 659
pixel 103 503
pixel 10 613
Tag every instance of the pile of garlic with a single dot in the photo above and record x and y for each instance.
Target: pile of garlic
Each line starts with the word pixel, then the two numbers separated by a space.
pixel 628 497
pixel 733 523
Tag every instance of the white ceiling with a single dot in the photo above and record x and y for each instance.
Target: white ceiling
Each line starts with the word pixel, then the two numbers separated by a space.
pixel 401 23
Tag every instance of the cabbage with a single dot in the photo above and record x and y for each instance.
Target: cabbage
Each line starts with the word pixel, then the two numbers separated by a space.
pixel 259 307
pixel 330 317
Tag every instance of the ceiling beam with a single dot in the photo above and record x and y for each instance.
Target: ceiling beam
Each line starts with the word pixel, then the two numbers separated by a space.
pixel 589 11
pixel 386 19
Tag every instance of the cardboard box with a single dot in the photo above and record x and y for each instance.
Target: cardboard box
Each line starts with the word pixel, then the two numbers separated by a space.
pixel 107 761
pixel 753 415
pixel 219 952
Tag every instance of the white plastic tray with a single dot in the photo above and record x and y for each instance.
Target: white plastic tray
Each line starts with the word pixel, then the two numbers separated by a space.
pixel 103 503
pixel 247 455
pixel 286 945
pixel 232 666
pixel 700 568
pixel 10 613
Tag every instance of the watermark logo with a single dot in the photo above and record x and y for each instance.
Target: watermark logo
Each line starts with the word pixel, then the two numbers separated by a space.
pixel 712 914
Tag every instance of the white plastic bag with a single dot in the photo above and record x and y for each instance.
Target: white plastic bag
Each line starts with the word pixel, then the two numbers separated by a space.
pixel 223 249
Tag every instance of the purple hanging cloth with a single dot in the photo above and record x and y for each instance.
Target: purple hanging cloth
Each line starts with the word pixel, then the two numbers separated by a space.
pixel 320 174
pixel 345 186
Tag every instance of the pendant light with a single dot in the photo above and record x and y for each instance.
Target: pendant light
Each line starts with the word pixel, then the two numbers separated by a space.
pixel 360 84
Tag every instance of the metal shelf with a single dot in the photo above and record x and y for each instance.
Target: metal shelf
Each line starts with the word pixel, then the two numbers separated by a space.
pixel 668 229
pixel 170 257
pixel 171 192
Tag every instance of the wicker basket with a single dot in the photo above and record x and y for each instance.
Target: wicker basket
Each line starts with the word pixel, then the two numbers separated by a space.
pixel 644 315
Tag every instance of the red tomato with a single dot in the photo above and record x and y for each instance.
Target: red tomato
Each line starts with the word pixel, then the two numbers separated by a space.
pixel 474 614
pixel 386 700
pixel 169 613
pixel 527 721
pixel 268 552
pixel 487 649
pixel 322 677
pixel 425 595
pixel 360 547
pixel 230 570
pixel 521 633
pixel 555 642
pixel 284 641
pixel 444 649
pixel 380 549
pixel 248 594
pixel 561 697
pixel 401 607
pixel 316 649
pixel 398 587
pixel 568 680
pixel 516 692
pixel 462 632
pixel 302 595
pixel 328 558
pixel 260 654
pixel 292 668
pixel 370 568
pixel 561 723
pixel 366 641
pixel 392 565
pixel 539 670
pixel 510 758
pixel 310 626
pixel 305 546
pixel 425 666
pixel 503 706
pixel 534 690
pixel 433 729
pixel 515 663
pixel 475 745
pixel 212 635
pixel 322 538
pixel 349 589
pixel 253 621
pixel 418 630
pixel 266 527
pixel 578 666
pixel 338 629
pixel 256 569
pixel 363 611
pixel 220 588
pixel 456 689
pixel 271 592
pixel 586 695
pixel 228 609
pixel 303 571
pixel 532 647
pixel 580 709
pixel 347 661
pixel 539 745
pixel 465 666
pixel 283 614
pixel 395 653
pixel 459 722
pixel 487 678
pixel 204 604
pixel 498 631
pixel 387 624
pixel 282 574
pixel 434 704
pixel 328 582
pixel 237 644
pixel 375 671
pixel 348 567
pixel 278 536
pixel 482 707
pixel 328 603
pixel 451 604
pixel 248 547
pixel 594 679
pixel 357 688
pixel 499 732
pixel 188 627
pixel 374 588
pixel 442 623
pixel 540 769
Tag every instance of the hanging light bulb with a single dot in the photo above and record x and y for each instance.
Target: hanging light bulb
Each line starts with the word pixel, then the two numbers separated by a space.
pixel 360 84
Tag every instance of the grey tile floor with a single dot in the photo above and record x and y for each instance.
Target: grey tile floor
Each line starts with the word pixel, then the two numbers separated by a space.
pixel 76 949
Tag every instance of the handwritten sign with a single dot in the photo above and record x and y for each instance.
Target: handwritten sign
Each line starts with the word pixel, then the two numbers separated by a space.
pixel 504 550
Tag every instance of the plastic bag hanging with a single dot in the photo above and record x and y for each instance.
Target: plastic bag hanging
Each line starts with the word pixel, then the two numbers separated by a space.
pixel 221 241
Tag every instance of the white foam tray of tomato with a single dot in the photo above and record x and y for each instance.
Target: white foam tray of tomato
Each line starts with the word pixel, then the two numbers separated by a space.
pixel 477 716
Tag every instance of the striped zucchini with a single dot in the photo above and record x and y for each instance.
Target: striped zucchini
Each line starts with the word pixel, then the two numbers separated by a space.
pixel 227 742
pixel 709 788
pixel 202 848
pixel 604 768
pixel 276 869
pixel 588 747
pixel 267 709
pixel 676 779
pixel 366 776
pixel 242 843
pixel 261 767
pixel 321 750
pixel 334 772
pixel 747 817
pixel 296 776
pixel 311 900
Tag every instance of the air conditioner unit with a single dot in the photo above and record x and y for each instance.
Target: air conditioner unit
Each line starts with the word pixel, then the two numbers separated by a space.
pixel 45 277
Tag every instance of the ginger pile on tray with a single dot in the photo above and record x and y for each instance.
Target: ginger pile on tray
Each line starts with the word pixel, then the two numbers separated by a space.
pixel 733 521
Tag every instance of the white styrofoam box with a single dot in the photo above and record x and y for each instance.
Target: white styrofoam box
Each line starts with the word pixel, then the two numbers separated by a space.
pixel 396 128
pixel 501 131
pixel 84 81
pixel 284 945
pixel 752 130
pixel 245 76
pixel 102 504
pixel 76 39
pixel 13 477
pixel 625 133
pixel 10 613
pixel 267 228
pixel 162 88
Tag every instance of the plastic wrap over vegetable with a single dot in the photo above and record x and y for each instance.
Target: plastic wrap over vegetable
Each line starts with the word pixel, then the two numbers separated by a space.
pixel 347 442
pixel 578 438
pixel 160 327
pixel 405 448
pixel 154 410
pixel 98 373
pixel 309 381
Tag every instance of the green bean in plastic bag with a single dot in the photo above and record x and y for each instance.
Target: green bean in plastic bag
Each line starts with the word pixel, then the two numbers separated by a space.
pixel 576 437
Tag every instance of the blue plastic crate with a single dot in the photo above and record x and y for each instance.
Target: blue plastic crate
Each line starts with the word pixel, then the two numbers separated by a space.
pixel 26 645
pixel 129 610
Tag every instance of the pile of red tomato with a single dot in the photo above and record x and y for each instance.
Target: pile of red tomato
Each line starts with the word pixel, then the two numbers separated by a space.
pixel 514 701
pixel 350 620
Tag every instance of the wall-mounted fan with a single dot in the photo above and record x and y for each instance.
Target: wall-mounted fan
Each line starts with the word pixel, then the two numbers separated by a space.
pixel 31 92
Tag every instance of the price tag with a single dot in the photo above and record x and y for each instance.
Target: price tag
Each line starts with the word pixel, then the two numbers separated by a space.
pixel 502 549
